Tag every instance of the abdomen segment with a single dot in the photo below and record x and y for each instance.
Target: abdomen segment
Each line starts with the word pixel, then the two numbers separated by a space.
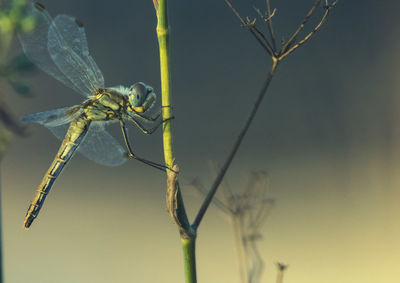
pixel 76 131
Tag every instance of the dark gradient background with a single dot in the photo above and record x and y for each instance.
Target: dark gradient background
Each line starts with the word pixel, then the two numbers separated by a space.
pixel 328 134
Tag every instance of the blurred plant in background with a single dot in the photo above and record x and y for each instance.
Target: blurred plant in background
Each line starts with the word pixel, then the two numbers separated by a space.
pixel 247 209
pixel 12 20
pixel 281 269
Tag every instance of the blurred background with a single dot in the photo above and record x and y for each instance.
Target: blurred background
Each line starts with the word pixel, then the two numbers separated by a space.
pixel 328 134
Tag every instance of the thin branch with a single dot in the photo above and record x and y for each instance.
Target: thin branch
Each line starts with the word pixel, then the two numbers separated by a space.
pixel 257 31
pixel 251 26
pixel 266 20
pixel 281 269
pixel 257 263
pixel 228 196
pixel 234 150
pixel 217 202
pixel 238 238
pixel 247 210
pixel 259 218
pixel 270 27
pixel 327 8
pixel 301 26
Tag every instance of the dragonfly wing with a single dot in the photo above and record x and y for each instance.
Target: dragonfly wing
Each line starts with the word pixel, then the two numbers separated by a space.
pixel 59 131
pixel 34 44
pixel 98 145
pixel 53 118
pixel 81 71
pixel 74 34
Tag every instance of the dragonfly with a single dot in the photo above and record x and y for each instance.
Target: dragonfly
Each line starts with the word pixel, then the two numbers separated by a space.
pixel 59 47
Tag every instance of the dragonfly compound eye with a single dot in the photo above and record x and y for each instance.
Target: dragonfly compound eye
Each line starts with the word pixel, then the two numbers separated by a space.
pixel 137 94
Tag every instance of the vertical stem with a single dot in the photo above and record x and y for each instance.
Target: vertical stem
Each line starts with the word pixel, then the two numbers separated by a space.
pixel 189 258
pixel 163 38
pixel 279 277
pixel 281 269
pixel 188 243
pixel 238 237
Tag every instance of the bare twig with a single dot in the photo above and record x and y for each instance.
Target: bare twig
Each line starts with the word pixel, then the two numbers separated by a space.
pixel 237 224
pixel 268 21
pixel 256 266
pixel 235 148
pixel 301 26
pixel 281 269
pixel 247 208
pixel 270 27
pixel 259 35
pixel 250 25
pixel 290 45
pixel 327 8
pixel 224 207
pixel 265 19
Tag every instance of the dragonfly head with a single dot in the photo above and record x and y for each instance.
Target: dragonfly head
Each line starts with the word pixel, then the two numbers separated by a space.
pixel 141 97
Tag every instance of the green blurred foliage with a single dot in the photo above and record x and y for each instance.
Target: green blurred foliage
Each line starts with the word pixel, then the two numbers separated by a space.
pixel 13 18
pixel 12 72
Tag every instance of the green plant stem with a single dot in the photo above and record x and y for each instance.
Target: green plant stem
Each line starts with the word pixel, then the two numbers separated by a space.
pixel 189 258
pixel 163 39
pixel 188 240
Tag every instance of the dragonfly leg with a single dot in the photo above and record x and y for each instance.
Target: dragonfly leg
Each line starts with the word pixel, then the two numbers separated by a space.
pixel 149 118
pixel 152 118
pixel 151 130
pixel 134 156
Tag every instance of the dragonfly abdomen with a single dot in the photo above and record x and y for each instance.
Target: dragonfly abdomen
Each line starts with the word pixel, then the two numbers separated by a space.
pixel 76 131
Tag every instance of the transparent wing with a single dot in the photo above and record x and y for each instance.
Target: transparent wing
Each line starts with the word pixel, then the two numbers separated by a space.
pixel 68 49
pixel 74 34
pixel 34 44
pixel 98 145
pixel 53 118
pixel 62 52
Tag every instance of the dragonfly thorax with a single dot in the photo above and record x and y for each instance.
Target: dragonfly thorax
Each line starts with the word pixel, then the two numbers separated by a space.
pixel 141 97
